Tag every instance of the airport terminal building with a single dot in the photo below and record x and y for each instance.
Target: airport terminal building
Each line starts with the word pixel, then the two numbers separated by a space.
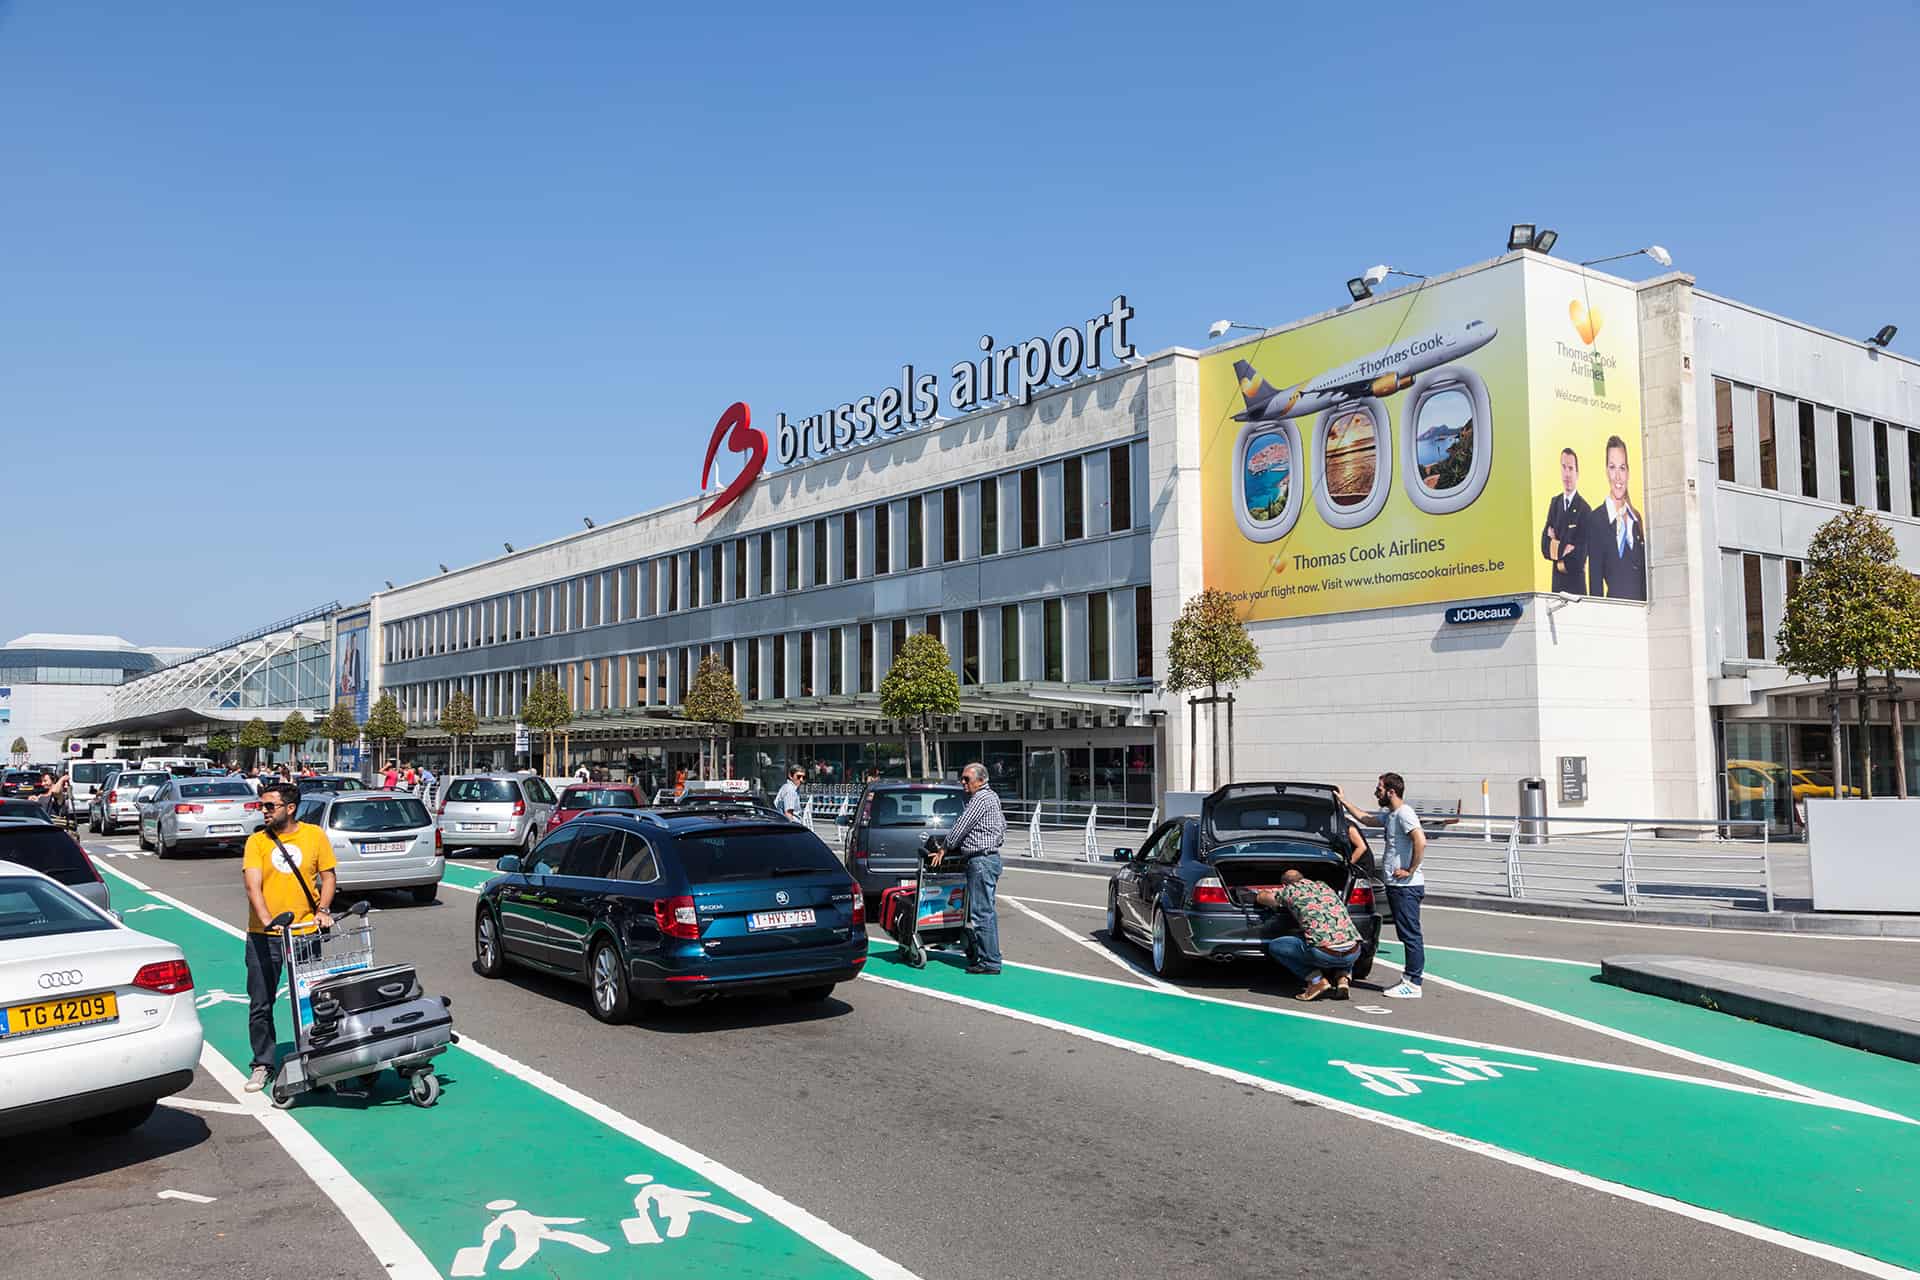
pixel 1526 520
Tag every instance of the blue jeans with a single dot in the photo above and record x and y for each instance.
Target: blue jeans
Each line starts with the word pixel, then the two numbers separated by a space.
pixel 983 925
pixel 1404 903
pixel 1307 961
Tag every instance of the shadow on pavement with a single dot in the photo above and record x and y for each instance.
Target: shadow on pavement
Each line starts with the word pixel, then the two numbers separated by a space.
pixel 728 1013
pixel 60 1155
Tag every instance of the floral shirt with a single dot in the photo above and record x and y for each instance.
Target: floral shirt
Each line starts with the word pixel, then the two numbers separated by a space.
pixel 1323 918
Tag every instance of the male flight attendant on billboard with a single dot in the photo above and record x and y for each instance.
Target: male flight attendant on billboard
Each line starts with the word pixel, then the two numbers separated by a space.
pixel 1617 536
pixel 1563 539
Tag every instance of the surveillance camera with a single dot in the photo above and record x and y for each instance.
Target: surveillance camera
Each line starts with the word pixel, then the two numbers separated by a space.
pixel 1568 596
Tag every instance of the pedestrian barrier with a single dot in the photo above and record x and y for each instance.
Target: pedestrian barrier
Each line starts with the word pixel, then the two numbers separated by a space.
pixel 1634 861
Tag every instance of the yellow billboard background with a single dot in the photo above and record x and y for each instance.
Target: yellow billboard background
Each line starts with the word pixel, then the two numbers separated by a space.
pixel 1387 454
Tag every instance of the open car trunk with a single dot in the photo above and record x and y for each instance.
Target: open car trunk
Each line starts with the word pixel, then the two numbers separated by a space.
pixel 1246 873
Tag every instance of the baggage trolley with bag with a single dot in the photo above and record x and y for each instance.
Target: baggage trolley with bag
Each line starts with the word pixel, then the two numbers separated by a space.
pixel 930 912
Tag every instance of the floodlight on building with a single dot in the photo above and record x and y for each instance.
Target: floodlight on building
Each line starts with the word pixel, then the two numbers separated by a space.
pixel 587 521
pixel 1520 236
pixel 1882 338
pixel 389 582
pixel 444 569
pixel 1219 328
pixel 1657 252
pixel 1544 240
pixel 508 546
pixel 1360 289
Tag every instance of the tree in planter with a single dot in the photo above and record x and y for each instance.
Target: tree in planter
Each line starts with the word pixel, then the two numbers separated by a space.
pixel 547 708
pixel 385 724
pixel 1210 647
pixel 220 744
pixel 19 749
pixel 715 702
pixel 1903 605
pixel 1845 616
pixel 294 732
pixel 339 727
pixel 919 686
pixel 458 721
pixel 255 737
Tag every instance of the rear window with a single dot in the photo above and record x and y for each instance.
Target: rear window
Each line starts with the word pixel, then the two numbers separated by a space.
pixel 380 815
pixel 598 798
pixel 482 791
pixel 36 909
pixel 916 808
pixel 138 780
pixel 753 855
pixel 92 772
pixel 214 790
pixel 22 809
pixel 538 791
pixel 48 851
pixel 334 784
pixel 18 776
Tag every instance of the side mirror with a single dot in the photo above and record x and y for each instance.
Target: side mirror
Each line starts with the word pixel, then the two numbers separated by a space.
pixel 509 865
pixel 1123 855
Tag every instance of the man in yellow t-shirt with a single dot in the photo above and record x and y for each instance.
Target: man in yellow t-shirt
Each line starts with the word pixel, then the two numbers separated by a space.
pixel 295 874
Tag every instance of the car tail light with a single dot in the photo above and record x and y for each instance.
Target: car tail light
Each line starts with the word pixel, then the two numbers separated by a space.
pixel 1209 892
pixel 188 808
pixel 112 796
pixel 859 908
pixel 519 808
pixel 1360 895
pixel 436 840
pixel 168 977
pixel 251 804
pixel 676 917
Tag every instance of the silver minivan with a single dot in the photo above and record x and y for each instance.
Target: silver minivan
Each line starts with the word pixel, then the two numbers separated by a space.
pixel 84 777
pixel 381 840
pixel 495 810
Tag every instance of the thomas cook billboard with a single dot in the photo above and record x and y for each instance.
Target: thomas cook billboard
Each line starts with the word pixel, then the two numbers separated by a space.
pixel 1477 437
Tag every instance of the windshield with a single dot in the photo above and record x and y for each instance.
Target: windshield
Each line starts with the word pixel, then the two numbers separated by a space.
pixel 482 791
pixel 35 909
pixel 1817 777
pixel 598 798
pixel 753 855
pixel 214 790
pixel 916 808
pixel 380 815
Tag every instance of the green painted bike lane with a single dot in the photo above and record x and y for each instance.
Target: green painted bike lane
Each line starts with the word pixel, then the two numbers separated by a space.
pixel 1576 990
pixel 1821 1173
pixel 497 1136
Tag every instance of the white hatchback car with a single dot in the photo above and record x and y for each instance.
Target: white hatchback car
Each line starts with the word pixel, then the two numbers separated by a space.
pixel 97 1021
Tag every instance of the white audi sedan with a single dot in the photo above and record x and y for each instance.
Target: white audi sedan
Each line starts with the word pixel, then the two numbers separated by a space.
pixel 97 1021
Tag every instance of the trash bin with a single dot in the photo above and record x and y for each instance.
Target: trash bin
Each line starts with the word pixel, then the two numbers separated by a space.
pixel 1533 811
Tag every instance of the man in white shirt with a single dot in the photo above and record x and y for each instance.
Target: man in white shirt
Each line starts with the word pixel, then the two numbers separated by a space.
pixel 1406 848
pixel 787 799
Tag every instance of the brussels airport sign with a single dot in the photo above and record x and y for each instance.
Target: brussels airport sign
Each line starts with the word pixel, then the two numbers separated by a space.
pixel 1012 372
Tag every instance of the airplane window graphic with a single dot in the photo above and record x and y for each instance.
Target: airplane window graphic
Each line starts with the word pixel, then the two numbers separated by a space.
pixel 1268 483
pixel 1269 475
pixel 1446 439
pixel 1443 440
pixel 1352 462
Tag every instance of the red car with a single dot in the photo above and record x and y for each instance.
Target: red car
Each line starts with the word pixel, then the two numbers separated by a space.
pixel 575 801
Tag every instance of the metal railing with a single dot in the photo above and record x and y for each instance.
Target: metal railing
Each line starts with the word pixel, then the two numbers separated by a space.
pixel 1636 861
pixel 1077 830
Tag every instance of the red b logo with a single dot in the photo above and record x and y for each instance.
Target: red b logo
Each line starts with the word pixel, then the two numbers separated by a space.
pixel 734 427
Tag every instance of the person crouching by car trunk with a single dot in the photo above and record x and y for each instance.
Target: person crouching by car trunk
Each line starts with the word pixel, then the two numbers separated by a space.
pixel 1328 942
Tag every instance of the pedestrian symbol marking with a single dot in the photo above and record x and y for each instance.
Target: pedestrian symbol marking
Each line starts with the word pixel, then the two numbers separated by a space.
pixel 213 996
pixel 675 1207
pixel 529 1230
pixel 146 906
pixel 1404 1082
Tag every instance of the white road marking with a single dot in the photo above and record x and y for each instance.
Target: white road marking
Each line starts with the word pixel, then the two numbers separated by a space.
pixel 1055 902
pixel 341 1187
pixel 1103 952
pixel 1711 1217
pixel 1793 1093
pixel 189 1196
pixel 1509 955
pixel 1657 1046
pixel 196 1104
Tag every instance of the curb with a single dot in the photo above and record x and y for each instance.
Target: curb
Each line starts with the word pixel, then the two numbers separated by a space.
pixel 1829 924
pixel 1858 1028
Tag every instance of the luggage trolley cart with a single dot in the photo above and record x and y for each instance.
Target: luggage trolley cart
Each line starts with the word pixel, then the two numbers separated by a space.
pixel 935 914
pixel 352 1019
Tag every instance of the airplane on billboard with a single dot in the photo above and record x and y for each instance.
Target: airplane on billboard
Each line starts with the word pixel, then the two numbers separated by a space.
pixel 1382 373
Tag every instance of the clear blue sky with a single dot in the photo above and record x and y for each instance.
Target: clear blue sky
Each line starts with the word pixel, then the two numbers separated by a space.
pixel 366 287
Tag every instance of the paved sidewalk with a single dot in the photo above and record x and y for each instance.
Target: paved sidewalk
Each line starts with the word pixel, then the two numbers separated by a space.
pixel 1864 1013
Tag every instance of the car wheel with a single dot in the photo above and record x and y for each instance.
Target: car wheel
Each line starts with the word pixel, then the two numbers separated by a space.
pixel 93 822
pixel 424 894
pixel 1168 961
pixel 489 960
pixel 161 848
pixel 114 1122
pixel 812 995
pixel 1363 966
pixel 106 826
pixel 607 978
pixel 144 842
pixel 1116 931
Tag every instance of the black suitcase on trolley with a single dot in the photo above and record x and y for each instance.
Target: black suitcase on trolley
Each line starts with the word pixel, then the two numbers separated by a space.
pixel 364 991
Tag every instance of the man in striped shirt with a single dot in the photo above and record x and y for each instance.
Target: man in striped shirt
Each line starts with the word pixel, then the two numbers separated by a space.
pixel 974 841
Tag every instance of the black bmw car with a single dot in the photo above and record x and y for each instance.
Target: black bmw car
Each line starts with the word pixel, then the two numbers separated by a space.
pixel 1188 892
pixel 656 908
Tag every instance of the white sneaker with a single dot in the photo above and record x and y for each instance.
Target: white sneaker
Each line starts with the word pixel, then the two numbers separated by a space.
pixel 1405 991
pixel 257 1081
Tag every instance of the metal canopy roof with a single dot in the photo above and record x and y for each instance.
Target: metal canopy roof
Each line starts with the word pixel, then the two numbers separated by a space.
pixel 205 688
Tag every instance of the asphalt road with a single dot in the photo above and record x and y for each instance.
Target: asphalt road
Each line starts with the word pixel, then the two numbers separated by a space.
pixel 1058 1124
